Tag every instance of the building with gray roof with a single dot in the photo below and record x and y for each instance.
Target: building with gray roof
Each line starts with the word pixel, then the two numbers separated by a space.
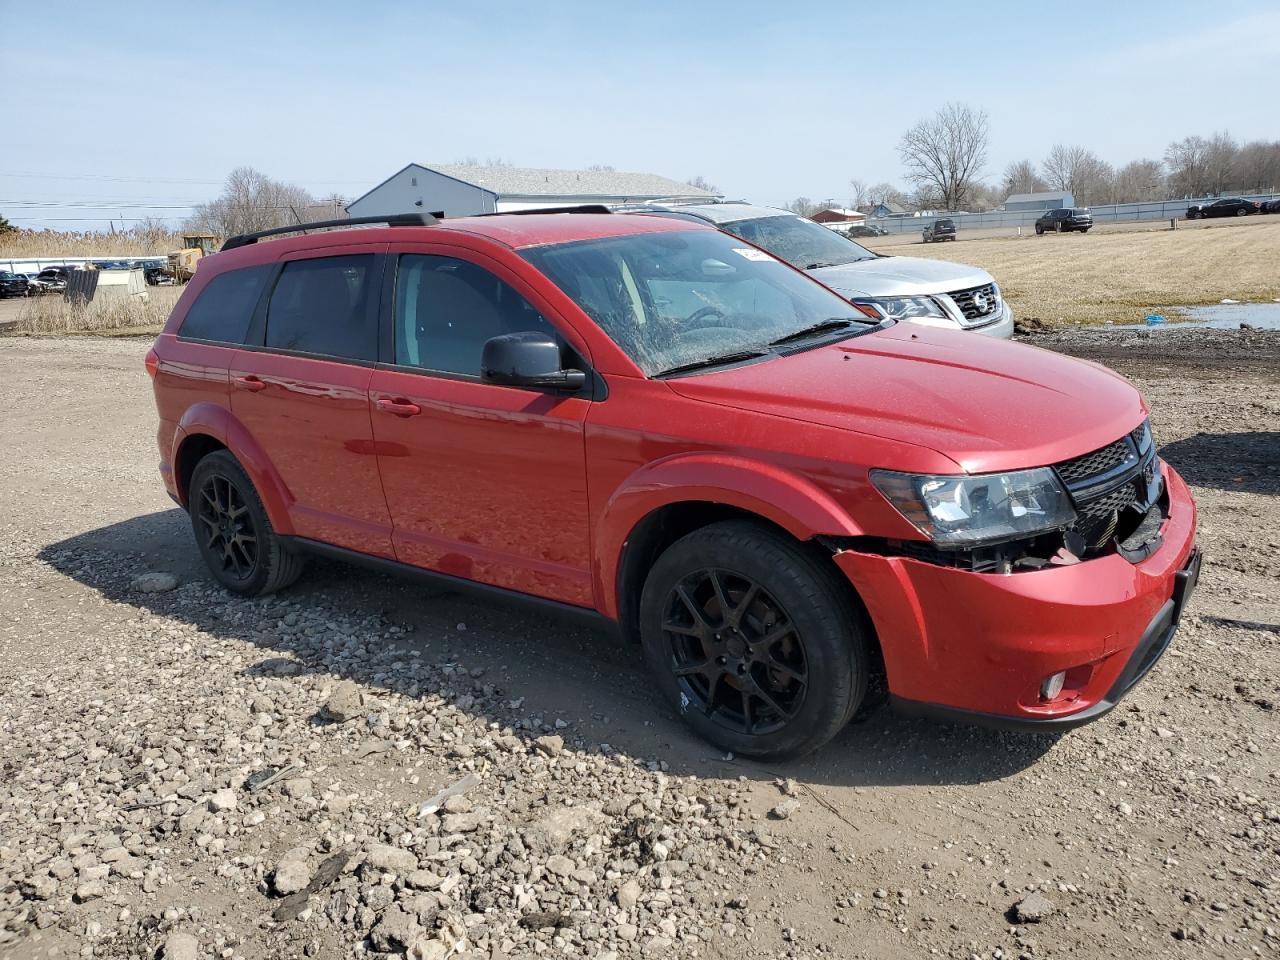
pixel 465 189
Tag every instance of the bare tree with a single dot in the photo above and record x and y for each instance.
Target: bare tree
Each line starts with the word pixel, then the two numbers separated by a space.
pixel 802 206
pixel 252 201
pixel 1187 163
pixel 857 193
pixel 702 183
pixel 983 196
pixel 1258 166
pixel 1079 172
pixel 1139 180
pixel 885 193
pixel 1220 162
pixel 945 153
pixel 1021 176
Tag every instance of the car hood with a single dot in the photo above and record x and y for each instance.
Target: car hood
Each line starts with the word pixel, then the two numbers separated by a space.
pixel 986 404
pixel 899 276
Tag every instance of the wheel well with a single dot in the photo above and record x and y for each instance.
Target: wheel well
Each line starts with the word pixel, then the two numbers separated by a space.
pixel 666 525
pixel 194 449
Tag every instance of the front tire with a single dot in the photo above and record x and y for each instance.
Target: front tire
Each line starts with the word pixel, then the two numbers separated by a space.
pixel 233 532
pixel 1039 230
pixel 754 641
pixel 1241 212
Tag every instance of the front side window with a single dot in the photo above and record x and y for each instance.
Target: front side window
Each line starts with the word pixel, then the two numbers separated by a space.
pixel 321 306
pixel 800 242
pixel 447 308
pixel 223 311
pixel 672 299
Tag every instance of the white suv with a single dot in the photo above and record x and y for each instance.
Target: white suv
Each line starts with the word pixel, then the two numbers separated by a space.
pixel 935 293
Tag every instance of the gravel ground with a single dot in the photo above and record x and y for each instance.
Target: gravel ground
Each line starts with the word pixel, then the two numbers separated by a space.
pixel 191 775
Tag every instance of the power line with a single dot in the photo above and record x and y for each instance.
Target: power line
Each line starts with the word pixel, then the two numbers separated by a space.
pixel 109 205
pixel 120 179
pixel 81 219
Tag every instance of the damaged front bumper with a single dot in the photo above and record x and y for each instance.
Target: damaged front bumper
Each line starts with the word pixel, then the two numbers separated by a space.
pixel 979 646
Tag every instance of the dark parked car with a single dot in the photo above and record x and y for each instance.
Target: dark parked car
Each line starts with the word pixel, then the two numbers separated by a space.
pixel 864 230
pixel 53 279
pixel 1065 219
pixel 944 229
pixel 13 284
pixel 1271 206
pixel 1226 207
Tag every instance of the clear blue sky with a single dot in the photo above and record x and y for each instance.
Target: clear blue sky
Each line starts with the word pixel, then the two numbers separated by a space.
pixel 122 104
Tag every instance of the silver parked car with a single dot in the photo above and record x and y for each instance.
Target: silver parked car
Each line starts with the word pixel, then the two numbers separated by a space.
pixel 935 293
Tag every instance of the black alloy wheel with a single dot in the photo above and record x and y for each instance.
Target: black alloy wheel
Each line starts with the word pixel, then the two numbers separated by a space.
pixel 754 639
pixel 230 543
pixel 233 531
pixel 735 652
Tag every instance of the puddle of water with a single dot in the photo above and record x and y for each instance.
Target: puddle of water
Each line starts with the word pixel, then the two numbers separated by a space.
pixel 1218 316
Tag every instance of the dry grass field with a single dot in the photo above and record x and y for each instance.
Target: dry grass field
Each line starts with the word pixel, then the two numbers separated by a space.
pixel 50 244
pixel 135 316
pixel 1120 276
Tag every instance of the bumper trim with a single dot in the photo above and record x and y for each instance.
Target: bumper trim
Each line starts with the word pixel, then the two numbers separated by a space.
pixel 1150 648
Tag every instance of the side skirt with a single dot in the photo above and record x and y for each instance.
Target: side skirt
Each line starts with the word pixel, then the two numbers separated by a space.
pixel 584 615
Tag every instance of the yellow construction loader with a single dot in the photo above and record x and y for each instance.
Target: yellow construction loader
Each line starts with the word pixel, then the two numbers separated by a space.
pixel 183 263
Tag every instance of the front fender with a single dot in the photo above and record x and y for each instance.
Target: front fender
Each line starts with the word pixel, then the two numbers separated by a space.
pixel 218 422
pixel 786 499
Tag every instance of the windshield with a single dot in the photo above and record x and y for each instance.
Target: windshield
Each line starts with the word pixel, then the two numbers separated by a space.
pixel 800 242
pixel 673 299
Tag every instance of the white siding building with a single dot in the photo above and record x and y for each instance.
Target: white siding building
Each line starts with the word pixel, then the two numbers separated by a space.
pixel 462 190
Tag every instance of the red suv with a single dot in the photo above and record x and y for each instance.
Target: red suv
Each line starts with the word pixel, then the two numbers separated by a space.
pixel 778 494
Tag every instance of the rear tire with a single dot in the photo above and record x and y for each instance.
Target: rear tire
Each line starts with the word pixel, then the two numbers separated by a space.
pixel 753 641
pixel 1241 212
pixel 1039 230
pixel 233 532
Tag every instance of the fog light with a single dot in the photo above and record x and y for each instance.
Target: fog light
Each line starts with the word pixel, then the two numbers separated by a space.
pixel 1052 686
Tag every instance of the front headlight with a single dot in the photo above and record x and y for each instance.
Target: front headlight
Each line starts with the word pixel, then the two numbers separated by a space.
pixel 905 308
pixel 964 511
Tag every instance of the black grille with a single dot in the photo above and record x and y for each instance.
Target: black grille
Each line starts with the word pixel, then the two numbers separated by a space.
pixel 1107 504
pixel 1106 482
pixel 1097 463
pixel 966 301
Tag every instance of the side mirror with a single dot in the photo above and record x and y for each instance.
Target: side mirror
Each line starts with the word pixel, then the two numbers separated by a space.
pixel 528 359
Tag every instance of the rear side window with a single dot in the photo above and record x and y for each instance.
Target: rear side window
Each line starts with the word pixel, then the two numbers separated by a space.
pixel 322 306
pixel 223 311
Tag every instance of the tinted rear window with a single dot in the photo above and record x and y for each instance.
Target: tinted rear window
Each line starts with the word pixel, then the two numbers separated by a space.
pixel 224 309
pixel 322 306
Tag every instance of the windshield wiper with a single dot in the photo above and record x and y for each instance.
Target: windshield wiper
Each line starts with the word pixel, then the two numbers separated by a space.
pixel 835 323
pixel 819 265
pixel 713 361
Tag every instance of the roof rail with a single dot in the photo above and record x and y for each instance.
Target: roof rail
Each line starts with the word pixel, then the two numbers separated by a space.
pixel 391 220
pixel 577 208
